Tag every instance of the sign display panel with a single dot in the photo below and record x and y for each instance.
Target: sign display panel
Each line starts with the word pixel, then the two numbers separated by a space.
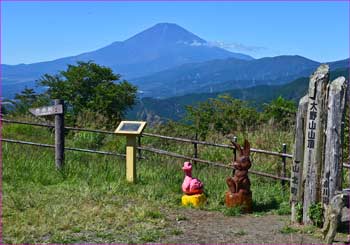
pixel 130 127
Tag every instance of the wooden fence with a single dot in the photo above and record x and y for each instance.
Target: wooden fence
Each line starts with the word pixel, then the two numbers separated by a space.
pixel 283 154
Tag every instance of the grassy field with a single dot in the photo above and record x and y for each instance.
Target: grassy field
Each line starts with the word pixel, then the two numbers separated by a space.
pixel 90 201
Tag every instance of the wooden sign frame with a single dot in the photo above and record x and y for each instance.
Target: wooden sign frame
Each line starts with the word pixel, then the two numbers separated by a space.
pixel 130 145
pixel 120 130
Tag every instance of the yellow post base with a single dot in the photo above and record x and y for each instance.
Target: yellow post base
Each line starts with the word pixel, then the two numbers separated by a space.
pixel 194 200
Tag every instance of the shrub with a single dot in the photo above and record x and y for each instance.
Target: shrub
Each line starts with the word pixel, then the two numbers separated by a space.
pixel 88 140
pixel 223 114
pixel 299 212
pixel 280 111
pixel 316 214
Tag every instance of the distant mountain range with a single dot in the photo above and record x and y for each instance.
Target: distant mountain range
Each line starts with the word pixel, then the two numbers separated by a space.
pixel 166 60
pixel 160 47
pixel 174 108
pixel 225 74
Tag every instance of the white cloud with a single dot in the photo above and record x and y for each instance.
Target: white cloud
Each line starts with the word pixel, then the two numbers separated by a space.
pixel 196 43
pixel 257 51
pixel 237 46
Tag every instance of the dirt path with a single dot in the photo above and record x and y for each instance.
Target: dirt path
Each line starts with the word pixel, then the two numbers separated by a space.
pixel 214 227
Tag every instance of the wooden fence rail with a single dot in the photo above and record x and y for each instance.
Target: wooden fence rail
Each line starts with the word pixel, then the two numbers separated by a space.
pixel 66 148
pixel 146 148
pixel 140 148
pixel 217 164
pixel 153 135
pixel 216 144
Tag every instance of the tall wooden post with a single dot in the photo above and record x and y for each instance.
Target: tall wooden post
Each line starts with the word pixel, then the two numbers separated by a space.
pixel 234 149
pixel 195 148
pixel 314 137
pixel 59 136
pixel 296 185
pixel 332 173
pixel 139 145
pixel 284 162
pixel 234 155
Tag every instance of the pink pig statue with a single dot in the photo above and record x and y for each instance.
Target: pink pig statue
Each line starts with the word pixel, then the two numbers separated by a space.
pixel 191 186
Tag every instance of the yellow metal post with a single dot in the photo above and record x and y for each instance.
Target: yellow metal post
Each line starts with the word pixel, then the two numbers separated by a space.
pixel 131 158
pixel 131 129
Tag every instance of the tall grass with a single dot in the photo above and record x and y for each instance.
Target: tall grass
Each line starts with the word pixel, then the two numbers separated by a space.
pixel 90 201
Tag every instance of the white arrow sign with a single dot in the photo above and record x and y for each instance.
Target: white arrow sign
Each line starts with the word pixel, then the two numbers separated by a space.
pixel 47 110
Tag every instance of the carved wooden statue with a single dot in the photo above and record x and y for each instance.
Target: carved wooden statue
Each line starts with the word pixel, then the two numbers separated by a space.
pixel 239 193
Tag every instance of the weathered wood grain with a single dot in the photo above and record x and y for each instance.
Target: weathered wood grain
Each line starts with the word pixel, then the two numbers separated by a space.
pixel 314 138
pixel 296 189
pixel 333 216
pixel 59 136
pixel 47 110
pixel 332 172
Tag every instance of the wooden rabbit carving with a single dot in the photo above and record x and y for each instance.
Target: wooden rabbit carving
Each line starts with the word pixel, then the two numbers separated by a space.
pixel 239 193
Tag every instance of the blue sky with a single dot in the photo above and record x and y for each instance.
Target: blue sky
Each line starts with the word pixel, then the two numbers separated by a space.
pixel 41 31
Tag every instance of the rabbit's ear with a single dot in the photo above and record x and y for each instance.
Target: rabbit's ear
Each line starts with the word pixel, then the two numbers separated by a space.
pixel 238 147
pixel 246 149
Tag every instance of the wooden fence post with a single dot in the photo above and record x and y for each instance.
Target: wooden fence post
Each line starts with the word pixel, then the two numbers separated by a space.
pixel 284 150
pixel 332 173
pixel 296 185
pixel 195 148
pixel 59 136
pixel 139 145
pixel 234 149
pixel 314 138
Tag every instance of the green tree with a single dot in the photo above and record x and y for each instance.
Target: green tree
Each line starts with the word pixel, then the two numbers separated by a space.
pixel 90 87
pixel 281 111
pixel 223 114
pixel 27 96
pixel 25 100
pixel 200 116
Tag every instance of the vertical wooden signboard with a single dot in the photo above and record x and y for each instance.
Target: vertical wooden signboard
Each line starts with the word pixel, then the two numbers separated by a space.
pixel 331 181
pixel 314 138
pixel 298 156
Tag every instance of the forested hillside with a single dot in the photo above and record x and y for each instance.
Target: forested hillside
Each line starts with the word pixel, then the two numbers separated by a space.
pixel 174 108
